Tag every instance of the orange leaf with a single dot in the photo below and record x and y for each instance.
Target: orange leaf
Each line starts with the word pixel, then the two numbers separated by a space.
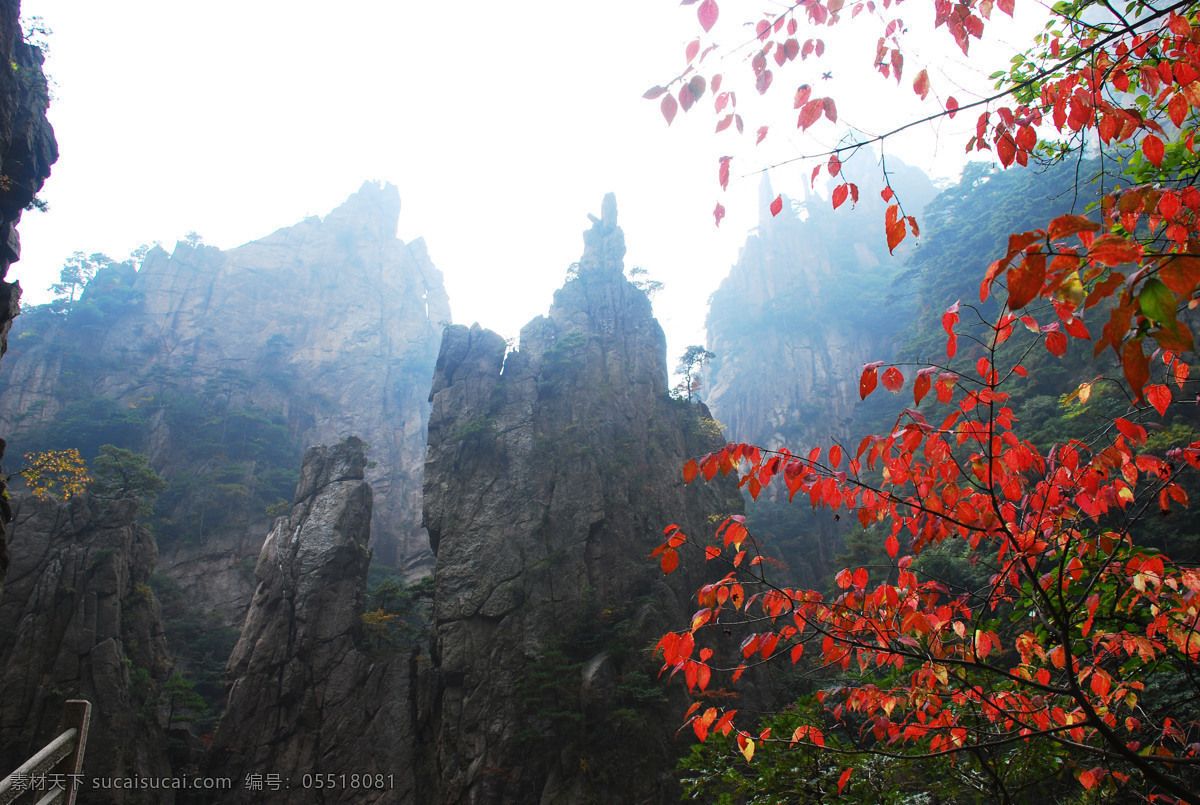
pixel 689 471
pixel 1065 225
pixel 1025 281
pixel 1113 250
pixel 1136 366
pixel 844 779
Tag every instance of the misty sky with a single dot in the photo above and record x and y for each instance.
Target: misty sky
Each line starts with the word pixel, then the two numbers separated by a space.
pixel 503 125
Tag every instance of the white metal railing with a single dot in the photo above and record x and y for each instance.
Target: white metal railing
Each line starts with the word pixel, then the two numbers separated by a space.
pixel 54 772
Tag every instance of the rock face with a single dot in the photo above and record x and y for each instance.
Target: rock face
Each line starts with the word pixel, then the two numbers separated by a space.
pixel 222 365
pixel 78 621
pixel 810 300
pixel 306 700
pixel 27 150
pixel 806 305
pixel 551 474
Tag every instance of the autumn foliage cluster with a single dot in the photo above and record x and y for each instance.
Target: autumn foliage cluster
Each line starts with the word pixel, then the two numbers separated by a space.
pixel 1080 625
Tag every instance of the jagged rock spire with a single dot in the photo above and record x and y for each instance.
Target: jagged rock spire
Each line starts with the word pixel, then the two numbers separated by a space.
pixel 604 243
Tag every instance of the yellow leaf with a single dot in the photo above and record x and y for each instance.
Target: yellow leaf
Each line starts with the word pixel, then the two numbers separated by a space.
pixel 748 750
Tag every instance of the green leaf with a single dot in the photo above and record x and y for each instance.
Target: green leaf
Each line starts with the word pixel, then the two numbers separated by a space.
pixel 1157 302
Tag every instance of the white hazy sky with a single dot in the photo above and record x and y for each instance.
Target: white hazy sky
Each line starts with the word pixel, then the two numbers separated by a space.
pixel 503 125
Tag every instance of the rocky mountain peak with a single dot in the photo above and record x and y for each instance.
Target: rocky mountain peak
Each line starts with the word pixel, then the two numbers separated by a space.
pixel 548 475
pixel 374 210
pixel 604 243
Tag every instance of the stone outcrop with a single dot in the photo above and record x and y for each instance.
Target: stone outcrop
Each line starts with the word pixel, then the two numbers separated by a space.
pixel 810 300
pixel 551 474
pixel 78 621
pixel 306 699
pixel 27 150
pixel 320 330
pixel 806 305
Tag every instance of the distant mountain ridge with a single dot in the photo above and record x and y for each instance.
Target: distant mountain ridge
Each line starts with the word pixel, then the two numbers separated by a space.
pixel 222 366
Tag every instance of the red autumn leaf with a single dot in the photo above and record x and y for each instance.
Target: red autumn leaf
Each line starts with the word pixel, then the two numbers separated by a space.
pixel 844 779
pixel 1065 225
pixel 689 471
pixel 921 84
pixel 777 205
pixel 802 95
pixel 949 319
pixel 1025 281
pixel 693 48
pixel 868 381
pixel 1113 250
pixel 1136 366
pixel 1154 150
pixel 1180 372
pixel 653 93
pixel 1177 109
pixel 893 380
pixel 1160 397
pixel 834 165
pixel 839 195
pixel 707 14
pixel 921 385
pixel 895 234
pixel 951 107
pixel 669 107
pixel 810 113
pixel 670 560
pixel 762 134
pixel 892 545
pixel 830 109
pixel 719 213
pixel 686 97
pixel 1056 342
pixel 723 172
pixel 1006 149
pixel 763 81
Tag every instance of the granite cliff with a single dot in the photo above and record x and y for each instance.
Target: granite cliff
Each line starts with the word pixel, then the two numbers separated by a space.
pixel 307 697
pixel 806 305
pixel 222 366
pixel 551 473
pixel 27 150
pixel 79 621
pixel 809 301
